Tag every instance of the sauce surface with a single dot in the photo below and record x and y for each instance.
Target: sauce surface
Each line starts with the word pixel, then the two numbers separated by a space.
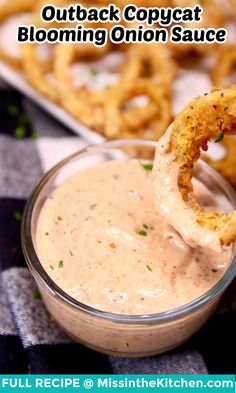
pixel 101 239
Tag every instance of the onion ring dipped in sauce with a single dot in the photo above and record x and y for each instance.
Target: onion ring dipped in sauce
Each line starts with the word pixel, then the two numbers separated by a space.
pixel 208 117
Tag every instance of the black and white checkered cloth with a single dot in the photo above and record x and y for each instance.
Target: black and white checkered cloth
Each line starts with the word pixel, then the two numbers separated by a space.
pixel 29 340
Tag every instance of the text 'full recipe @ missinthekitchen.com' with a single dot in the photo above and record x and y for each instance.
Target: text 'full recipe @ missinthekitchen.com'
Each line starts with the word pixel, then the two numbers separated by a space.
pixel 168 383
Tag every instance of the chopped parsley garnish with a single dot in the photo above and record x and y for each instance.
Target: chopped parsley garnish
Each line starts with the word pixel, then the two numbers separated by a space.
pixel 52 267
pixel 142 233
pixel 36 294
pixel 145 226
pixel 34 135
pixel 24 119
pixel 46 234
pixel 61 264
pixel 13 110
pixel 220 137
pixel 20 132
pixel 71 253
pixel 148 167
pixel 94 72
pixel 149 268
pixel 17 215
pixel 214 270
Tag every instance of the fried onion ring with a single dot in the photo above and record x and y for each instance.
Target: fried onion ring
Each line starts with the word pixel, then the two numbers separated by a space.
pixel 225 64
pixel 83 104
pixel 208 117
pixel 9 8
pixel 37 70
pixel 10 50
pixel 123 120
pixel 233 7
pixel 153 60
pixel 212 17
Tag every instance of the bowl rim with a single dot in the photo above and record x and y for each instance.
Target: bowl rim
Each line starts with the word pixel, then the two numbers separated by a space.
pixel 41 276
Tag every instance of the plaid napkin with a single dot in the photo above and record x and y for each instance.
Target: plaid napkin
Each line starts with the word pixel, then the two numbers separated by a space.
pixel 30 342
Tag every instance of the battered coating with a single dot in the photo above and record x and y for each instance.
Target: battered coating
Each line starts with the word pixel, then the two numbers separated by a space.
pixel 208 117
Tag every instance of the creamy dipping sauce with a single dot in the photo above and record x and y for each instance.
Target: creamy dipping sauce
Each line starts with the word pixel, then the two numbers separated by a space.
pixel 102 241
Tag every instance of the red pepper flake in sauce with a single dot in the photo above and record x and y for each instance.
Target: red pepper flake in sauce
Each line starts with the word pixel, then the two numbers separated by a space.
pixel 112 245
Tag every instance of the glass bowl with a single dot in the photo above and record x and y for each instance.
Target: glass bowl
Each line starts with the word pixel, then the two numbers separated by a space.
pixel 119 334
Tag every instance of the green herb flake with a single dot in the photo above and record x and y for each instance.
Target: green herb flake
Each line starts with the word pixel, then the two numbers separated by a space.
pixel 220 137
pixel 61 264
pixel 142 233
pixel 13 110
pixel 214 270
pixel 148 167
pixel 17 215
pixel 59 218
pixel 52 267
pixel 36 294
pixel 145 226
pixel 20 132
pixel 46 234
pixel 149 268
pixel 94 72
pixel 34 136
pixel 71 253
pixel 24 119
